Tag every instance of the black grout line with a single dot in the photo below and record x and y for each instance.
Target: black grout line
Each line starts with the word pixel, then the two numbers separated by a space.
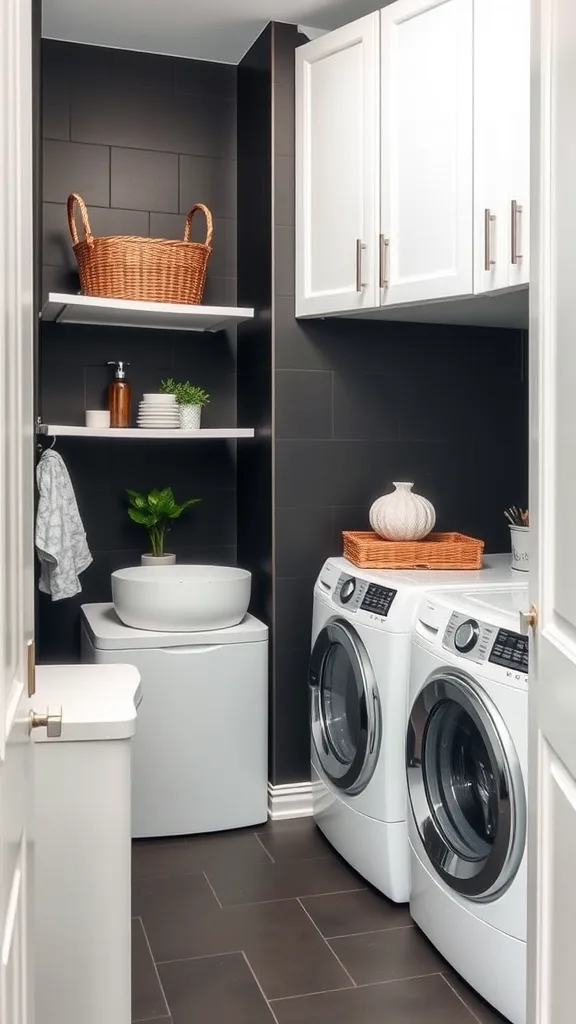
pixel 336 957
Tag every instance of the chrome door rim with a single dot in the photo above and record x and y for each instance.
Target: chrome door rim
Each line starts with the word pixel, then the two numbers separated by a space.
pixel 477 878
pixel 352 777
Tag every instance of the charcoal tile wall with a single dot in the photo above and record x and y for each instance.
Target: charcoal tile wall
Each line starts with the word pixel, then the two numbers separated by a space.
pixel 255 336
pixel 141 138
pixel 358 404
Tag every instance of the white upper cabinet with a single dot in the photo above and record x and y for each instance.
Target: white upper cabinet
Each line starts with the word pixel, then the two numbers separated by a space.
pixel 426 150
pixel 413 164
pixel 337 180
pixel 501 143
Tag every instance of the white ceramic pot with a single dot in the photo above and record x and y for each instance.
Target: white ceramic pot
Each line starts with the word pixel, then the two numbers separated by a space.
pixel 402 515
pixel 520 548
pixel 181 598
pixel 158 560
pixel 190 416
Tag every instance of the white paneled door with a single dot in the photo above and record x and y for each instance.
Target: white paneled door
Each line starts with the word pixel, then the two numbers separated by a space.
pixel 16 507
pixel 552 887
pixel 426 150
pixel 337 80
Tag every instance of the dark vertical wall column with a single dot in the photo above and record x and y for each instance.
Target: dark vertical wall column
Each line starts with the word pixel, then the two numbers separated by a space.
pixel 356 405
pixel 255 336
pixel 142 138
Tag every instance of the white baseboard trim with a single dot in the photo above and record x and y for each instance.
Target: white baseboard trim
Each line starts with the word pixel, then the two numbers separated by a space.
pixel 291 801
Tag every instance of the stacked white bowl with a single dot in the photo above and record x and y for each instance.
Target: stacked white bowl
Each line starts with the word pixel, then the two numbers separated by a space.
pixel 158 412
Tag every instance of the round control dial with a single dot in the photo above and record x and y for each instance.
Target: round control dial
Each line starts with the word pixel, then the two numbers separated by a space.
pixel 466 636
pixel 347 590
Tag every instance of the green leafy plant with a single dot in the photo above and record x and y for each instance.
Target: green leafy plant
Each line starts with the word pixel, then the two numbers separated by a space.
pixel 185 392
pixel 155 511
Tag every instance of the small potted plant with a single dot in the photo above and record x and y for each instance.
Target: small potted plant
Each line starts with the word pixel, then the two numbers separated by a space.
pixel 190 399
pixel 155 511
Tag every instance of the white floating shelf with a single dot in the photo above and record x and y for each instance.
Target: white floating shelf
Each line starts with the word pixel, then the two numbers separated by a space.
pixel 171 316
pixel 142 433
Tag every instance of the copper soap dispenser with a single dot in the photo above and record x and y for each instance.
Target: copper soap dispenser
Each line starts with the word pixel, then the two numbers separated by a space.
pixel 119 396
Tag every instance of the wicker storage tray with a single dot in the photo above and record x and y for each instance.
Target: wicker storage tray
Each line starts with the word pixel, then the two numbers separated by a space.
pixel 438 551
pixel 143 269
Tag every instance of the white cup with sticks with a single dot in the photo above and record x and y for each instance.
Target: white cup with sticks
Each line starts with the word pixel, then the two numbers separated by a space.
pixel 519 522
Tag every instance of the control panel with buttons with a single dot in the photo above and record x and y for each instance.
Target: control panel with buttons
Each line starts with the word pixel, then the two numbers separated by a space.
pixel 354 594
pixel 510 649
pixel 378 599
pixel 480 642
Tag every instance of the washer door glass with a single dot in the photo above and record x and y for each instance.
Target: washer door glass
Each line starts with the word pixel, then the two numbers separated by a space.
pixel 345 707
pixel 465 786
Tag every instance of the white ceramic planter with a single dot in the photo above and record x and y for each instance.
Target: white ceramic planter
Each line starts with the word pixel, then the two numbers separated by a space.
pixel 402 515
pixel 181 598
pixel 158 560
pixel 190 416
pixel 520 548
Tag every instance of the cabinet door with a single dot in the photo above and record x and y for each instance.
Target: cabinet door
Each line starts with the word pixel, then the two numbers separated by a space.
pixel 501 143
pixel 518 118
pixel 426 154
pixel 337 79
pixel 492 126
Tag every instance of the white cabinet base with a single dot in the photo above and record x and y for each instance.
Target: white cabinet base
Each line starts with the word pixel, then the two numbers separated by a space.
pixel 200 753
pixel 82 882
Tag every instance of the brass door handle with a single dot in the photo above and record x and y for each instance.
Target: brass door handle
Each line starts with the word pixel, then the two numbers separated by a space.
pixel 51 721
pixel 529 619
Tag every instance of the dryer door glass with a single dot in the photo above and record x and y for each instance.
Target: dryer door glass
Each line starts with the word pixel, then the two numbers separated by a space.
pixel 465 786
pixel 345 708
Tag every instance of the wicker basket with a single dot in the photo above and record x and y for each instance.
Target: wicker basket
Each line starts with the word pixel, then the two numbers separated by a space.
pixel 437 551
pixel 144 269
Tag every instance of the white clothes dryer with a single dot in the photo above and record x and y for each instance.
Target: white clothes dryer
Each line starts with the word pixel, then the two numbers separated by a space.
pixel 359 668
pixel 466 757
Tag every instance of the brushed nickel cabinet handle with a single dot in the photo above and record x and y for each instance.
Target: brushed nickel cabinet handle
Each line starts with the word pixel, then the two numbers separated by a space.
pixel 515 227
pixel 489 220
pixel 359 247
pixel 384 251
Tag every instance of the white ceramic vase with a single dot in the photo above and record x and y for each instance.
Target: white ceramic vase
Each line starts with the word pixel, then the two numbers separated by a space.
pixel 190 416
pixel 158 559
pixel 402 515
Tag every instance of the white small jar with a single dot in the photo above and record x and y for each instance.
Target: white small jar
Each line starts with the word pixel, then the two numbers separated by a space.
pixel 520 548
pixel 190 417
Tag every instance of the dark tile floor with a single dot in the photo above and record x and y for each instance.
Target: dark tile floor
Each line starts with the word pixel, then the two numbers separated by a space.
pixel 269 925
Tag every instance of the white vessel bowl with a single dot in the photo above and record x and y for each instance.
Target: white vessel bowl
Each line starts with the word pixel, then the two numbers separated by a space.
pixel 181 598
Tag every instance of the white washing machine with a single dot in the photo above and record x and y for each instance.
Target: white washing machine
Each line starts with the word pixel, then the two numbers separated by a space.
pixel 466 757
pixel 200 753
pixel 359 669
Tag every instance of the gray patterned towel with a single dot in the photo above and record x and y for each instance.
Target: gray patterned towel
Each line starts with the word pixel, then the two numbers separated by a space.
pixel 60 536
